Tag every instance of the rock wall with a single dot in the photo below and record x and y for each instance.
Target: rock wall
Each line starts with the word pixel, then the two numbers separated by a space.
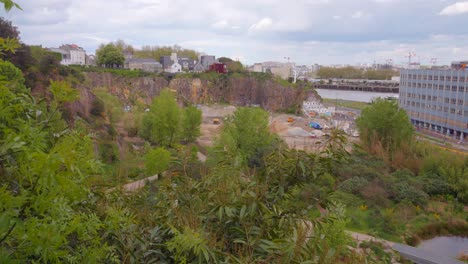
pixel 239 91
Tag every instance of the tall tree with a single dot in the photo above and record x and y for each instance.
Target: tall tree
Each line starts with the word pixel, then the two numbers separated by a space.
pixel 191 121
pixel 160 125
pixel 246 136
pixel 109 56
pixel 386 124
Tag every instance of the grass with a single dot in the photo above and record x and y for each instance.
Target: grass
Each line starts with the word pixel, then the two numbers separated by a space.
pixel 346 103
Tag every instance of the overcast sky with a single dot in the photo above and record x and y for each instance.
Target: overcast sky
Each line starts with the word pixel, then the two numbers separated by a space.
pixel 307 31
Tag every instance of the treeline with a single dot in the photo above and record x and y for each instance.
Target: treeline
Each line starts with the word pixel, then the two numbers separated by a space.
pixel 354 73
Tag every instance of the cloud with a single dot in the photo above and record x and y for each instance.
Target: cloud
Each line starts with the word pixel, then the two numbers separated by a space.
pixel 357 14
pixel 263 24
pixel 455 9
pixel 310 31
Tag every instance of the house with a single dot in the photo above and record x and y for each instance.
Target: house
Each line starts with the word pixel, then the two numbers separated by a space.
pixel 175 68
pixel 147 65
pixel 219 67
pixel 72 54
pixel 198 68
pixel 186 63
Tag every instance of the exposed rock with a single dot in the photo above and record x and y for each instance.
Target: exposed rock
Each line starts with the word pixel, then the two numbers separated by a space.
pixel 238 91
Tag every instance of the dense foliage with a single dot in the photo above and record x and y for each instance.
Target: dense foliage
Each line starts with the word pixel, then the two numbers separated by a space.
pixel 156 52
pixel 385 124
pixel 109 56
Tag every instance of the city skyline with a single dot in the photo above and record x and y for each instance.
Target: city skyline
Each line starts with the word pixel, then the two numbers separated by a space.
pixel 309 31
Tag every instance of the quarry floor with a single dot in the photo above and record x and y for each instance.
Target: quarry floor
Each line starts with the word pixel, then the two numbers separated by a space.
pixel 297 134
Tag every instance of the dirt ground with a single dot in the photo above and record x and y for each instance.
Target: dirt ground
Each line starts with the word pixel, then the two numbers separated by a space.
pixel 296 134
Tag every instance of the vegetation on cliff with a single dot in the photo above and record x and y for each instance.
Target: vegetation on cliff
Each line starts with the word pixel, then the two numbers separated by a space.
pixel 253 201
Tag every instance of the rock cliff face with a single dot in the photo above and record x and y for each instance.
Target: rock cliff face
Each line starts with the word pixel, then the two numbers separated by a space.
pixel 243 91
pixel 239 91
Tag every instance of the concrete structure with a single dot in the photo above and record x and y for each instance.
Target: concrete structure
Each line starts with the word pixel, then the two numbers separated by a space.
pixel 207 60
pixel 436 99
pixel 147 65
pixel 72 54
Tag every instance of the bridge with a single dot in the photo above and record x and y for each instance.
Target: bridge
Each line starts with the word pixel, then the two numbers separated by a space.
pixel 360 87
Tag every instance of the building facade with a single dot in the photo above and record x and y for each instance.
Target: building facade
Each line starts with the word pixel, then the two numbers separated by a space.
pixel 147 65
pixel 72 54
pixel 436 99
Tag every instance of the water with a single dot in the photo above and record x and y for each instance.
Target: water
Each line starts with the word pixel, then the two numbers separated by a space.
pixel 366 97
pixel 446 246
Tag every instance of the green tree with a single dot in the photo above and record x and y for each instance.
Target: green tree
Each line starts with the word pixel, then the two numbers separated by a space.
pixel 233 66
pixel 157 161
pixel 246 136
pixel 190 125
pixel 386 124
pixel 109 56
pixel 160 125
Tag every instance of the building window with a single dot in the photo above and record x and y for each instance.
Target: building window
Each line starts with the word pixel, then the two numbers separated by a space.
pixel 461 89
pixel 442 78
pixel 424 97
pixel 434 98
pixel 436 78
pixel 460 101
pixel 430 77
pixel 447 87
pixel 446 100
pixel 454 88
pixel 448 78
pixel 445 109
pixel 462 79
pixel 459 112
pixel 453 101
pixel 429 97
pixel 455 79
pixel 452 110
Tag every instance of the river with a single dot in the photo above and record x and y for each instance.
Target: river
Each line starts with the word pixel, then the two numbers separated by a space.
pixel 446 246
pixel 358 96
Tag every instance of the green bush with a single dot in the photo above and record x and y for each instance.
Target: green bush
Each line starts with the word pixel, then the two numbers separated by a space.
pixel 353 185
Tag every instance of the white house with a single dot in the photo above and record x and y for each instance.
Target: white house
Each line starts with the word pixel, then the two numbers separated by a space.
pixel 175 68
pixel 71 54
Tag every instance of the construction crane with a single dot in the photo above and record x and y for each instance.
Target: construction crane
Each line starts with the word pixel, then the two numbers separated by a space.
pixel 409 56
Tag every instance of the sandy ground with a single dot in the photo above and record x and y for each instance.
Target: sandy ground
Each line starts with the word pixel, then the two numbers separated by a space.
pixel 296 134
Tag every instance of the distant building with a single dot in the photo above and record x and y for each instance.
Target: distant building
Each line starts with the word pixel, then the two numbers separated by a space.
pixel 207 61
pixel 198 68
pixel 90 60
pixel 166 62
pixel 436 99
pixel 175 68
pixel 147 65
pixel 218 67
pixel 257 67
pixel 72 54
pixel 186 63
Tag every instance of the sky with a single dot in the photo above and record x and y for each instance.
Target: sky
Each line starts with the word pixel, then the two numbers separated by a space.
pixel 326 32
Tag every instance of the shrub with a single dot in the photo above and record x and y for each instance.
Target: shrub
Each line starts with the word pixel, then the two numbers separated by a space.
pixel 353 185
pixel 404 191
